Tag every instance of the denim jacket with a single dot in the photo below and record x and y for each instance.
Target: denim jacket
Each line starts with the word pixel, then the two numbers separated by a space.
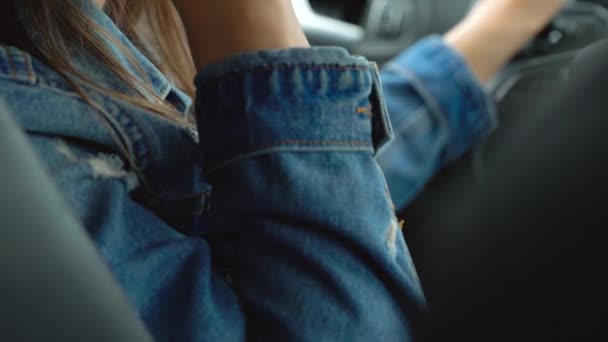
pixel 273 220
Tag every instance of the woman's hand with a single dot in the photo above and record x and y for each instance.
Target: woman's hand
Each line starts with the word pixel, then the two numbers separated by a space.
pixel 220 28
pixel 495 30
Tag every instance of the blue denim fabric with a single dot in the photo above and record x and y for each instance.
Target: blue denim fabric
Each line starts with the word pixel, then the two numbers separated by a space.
pixel 438 110
pixel 273 221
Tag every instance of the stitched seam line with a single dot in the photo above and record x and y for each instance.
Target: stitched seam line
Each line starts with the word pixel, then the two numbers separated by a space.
pixel 30 69
pixel 412 121
pixel 269 148
pixel 11 62
pixel 22 74
pixel 429 100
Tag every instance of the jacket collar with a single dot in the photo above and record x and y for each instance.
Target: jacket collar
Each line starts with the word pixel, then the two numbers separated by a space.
pixel 90 65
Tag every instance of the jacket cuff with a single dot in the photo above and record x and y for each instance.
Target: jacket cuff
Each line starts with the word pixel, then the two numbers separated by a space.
pixel 318 99
pixel 444 80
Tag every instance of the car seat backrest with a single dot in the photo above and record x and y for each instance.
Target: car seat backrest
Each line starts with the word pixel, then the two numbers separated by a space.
pixel 53 284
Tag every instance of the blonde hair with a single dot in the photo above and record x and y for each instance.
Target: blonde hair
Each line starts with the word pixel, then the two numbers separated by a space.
pixel 62 26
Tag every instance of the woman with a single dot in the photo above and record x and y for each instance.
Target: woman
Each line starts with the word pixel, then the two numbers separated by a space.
pixel 272 220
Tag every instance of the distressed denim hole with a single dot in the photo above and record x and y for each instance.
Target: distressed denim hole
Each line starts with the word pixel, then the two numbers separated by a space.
pixel 103 166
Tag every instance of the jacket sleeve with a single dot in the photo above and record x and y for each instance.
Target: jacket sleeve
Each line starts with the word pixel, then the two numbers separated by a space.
pixel 438 110
pixel 301 242
pixel 301 216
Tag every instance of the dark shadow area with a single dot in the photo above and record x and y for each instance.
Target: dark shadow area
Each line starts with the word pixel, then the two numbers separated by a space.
pixel 510 242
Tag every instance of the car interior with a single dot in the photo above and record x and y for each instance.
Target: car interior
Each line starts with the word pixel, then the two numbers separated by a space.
pixel 50 248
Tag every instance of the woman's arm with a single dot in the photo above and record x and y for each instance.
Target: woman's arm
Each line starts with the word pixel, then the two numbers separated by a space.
pixel 496 30
pixel 435 97
pixel 220 28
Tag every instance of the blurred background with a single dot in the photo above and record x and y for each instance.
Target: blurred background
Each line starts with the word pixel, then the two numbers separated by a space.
pixel 381 29
pixel 378 29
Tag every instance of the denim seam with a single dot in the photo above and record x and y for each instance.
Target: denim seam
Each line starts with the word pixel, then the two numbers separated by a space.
pixel 150 161
pixel 76 97
pixel 412 120
pixel 13 71
pixel 51 88
pixel 465 79
pixel 16 73
pixel 313 147
pixel 131 128
pixel 147 156
pixel 30 69
pixel 436 110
